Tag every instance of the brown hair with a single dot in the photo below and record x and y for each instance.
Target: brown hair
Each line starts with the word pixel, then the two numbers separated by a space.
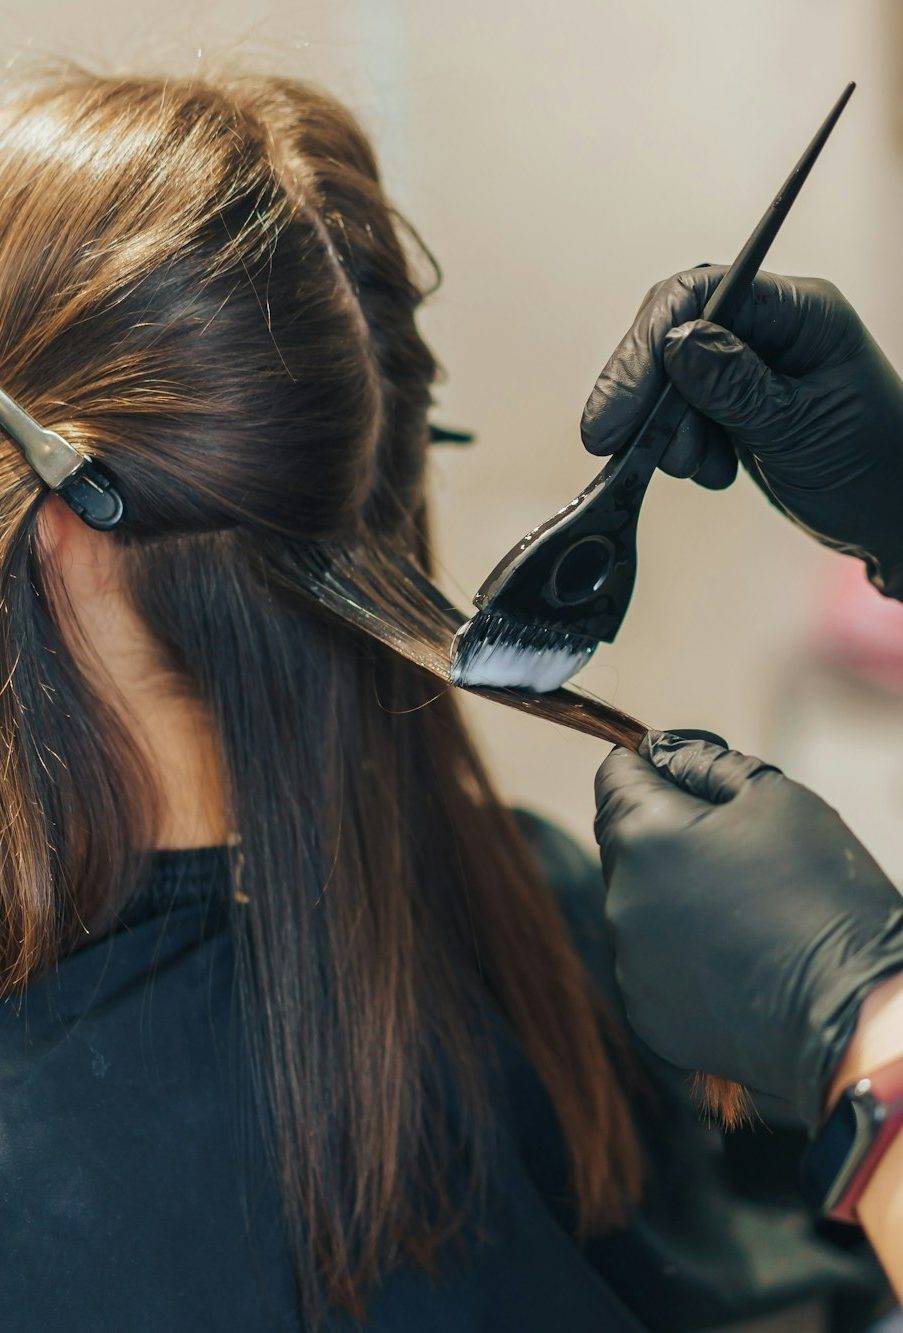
pixel 205 288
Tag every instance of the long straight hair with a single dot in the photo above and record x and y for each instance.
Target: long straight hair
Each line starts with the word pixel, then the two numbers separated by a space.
pixel 204 286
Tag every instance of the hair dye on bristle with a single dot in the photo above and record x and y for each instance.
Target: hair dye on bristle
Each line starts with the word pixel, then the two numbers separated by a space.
pixel 491 651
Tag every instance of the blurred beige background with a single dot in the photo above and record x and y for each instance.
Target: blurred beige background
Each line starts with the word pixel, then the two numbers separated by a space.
pixel 559 158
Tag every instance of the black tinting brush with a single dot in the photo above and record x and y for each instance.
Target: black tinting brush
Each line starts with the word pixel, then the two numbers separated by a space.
pixel 566 586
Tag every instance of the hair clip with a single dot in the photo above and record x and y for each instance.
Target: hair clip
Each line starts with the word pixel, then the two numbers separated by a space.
pixel 75 478
pixel 444 435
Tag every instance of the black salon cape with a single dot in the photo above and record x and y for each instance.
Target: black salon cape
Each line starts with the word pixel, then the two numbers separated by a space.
pixel 123 1178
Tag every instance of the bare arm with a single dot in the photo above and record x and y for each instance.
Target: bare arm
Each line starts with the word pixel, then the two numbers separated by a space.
pixel 877 1040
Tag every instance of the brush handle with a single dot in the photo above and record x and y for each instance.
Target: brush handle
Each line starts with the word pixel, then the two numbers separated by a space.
pixel 668 411
pixel 577 569
pixel 657 431
pixel 725 301
pixel 632 468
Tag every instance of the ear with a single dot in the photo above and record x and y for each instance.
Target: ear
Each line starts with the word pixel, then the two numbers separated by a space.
pixel 87 560
pixel 59 529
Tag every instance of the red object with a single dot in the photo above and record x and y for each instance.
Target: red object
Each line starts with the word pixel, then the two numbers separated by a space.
pixel 886 1086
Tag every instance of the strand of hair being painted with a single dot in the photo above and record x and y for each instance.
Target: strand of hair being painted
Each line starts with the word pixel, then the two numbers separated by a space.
pixel 382 593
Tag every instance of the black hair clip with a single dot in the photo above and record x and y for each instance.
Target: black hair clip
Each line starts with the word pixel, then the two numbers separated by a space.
pixel 444 435
pixel 76 478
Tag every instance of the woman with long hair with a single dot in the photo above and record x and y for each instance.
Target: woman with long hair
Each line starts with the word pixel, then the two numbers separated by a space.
pixel 300 1027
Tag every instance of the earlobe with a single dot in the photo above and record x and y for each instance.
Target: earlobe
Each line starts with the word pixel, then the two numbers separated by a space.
pixel 54 525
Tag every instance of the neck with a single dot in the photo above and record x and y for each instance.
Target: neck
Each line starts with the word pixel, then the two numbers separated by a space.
pixel 172 730
pixel 180 746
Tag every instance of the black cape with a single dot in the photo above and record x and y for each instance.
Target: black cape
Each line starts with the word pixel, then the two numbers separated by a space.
pixel 124 1169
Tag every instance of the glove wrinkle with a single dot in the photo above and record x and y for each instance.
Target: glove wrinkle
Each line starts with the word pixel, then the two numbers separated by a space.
pixel 706 770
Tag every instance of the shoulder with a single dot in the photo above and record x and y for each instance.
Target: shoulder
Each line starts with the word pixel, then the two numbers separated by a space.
pixel 564 862
pixel 574 875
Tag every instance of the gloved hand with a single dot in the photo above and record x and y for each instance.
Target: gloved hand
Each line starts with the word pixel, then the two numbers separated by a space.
pixel 802 395
pixel 749 924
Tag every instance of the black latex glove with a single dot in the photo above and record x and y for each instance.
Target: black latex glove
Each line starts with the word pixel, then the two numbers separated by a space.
pixel 749 924
pixel 802 395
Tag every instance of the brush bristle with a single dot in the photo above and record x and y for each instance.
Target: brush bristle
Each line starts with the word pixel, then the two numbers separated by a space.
pixel 493 651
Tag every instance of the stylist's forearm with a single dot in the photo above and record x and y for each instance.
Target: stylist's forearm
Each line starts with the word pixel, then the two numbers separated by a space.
pixel 881 1213
pixel 877 1041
